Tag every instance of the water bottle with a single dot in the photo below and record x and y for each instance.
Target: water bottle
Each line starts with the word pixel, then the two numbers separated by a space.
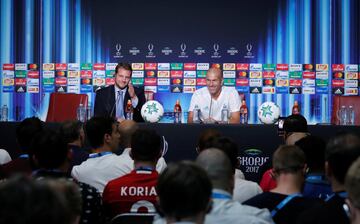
pixel 343 115
pixel 81 113
pixel 88 113
pixel 177 112
pixel 351 113
pixel 196 114
pixel 243 113
pixel 224 115
pixel 4 113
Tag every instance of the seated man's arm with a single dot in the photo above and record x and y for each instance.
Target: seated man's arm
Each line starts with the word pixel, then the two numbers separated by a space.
pixel 234 117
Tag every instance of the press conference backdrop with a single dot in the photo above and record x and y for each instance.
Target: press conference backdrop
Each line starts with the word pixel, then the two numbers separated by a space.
pixel 277 51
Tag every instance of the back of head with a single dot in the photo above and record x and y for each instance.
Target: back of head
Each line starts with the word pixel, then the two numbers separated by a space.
pixel 27 201
pixel 288 159
pixel 70 130
pixel 218 167
pixel 206 136
pixel 49 149
pixel 352 183
pixel 145 145
pixel 314 149
pixel 340 153
pixel 226 145
pixel 184 190
pixel 127 129
pixel 96 128
pixel 26 130
pixel 295 123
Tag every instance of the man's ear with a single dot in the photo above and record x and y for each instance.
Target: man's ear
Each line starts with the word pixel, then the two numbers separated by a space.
pixel 328 171
pixel 209 206
pixel 107 138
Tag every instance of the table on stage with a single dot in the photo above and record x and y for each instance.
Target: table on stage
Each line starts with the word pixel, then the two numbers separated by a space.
pixel 256 142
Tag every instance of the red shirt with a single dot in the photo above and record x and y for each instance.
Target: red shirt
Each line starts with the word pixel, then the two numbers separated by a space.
pixel 134 192
pixel 267 182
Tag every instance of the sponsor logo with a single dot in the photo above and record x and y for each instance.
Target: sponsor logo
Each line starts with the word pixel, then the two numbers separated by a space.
pixel 8 66
pixel 60 73
pixel 163 89
pixel 176 81
pixel 86 74
pixel 216 65
pixel 48 74
pixel 351 68
pixel 150 66
pixel 48 81
pixel 176 74
pixel 8 74
pixel 308 67
pixel 189 89
pixel 111 81
pixel 282 67
pixel 33 74
pixel 322 82
pixel 268 90
pixel 150 81
pixel 232 51
pixel 48 88
pixel 111 66
pixel 322 75
pixel 282 82
pixel 32 82
pixel 118 51
pixel 61 89
pixel 32 89
pixel 99 66
pixel 199 51
pixel 351 83
pixel 137 81
pixel 99 74
pixel 322 90
pixel 308 90
pixel 20 89
pixel 150 53
pixel 163 66
pixel 60 81
pixel 337 67
pixel 20 74
pixel 163 81
pixel 73 89
pixel 138 74
pixel 351 75
pixel 216 53
pixel 74 74
pixel 167 51
pixel 189 66
pixel 8 82
pixel 86 66
pixel 86 81
pixel 176 66
pixel 295 82
pixel 351 91
pixel 148 74
pixel 189 74
pixel 322 67
pixel 86 88
pixel 240 66
pixel 242 89
pixel 183 51
pixel 22 82
pixel 268 74
pixel 308 82
pixel 202 66
pixel 20 66
pixel 201 74
pixel 229 74
pixel 243 74
pixel 60 66
pixel 295 67
pixel 189 82
pixel 338 83
pixel 255 67
pixel 99 82
pixel 255 90
pixel 282 74
pixel 229 66
pixel 150 89
pixel 73 81
pixel 8 89
pixel 176 89
pixel 296 75
pixel 255 74
pixel 166 74
pixel 249 53
pixel 201 82
pixel 268 82
pixel 111 73
pixel 137 66
pixel 269 67
pixel 32 67
pixel 337 91
pixel 282 90
pixel 242 82
pixel 229 82
pixel 255 82
pixel 134 51
pixel 338 75
pixel 295 90
pixel 73 66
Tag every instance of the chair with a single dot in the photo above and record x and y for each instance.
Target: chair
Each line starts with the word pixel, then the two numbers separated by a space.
pixel 339 101
pixel 133 218
pixel 63 106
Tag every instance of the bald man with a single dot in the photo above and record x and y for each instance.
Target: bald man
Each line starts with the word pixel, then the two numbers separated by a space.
pixel 212 98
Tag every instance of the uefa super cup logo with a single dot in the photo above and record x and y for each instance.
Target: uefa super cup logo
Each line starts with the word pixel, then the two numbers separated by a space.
pixel 150 53
pixel 249 53
pixel 216 53
pixel 183 51
pixel 118 51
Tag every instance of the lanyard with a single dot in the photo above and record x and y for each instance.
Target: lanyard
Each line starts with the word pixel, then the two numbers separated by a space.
pixel 95 155
pixel 24 156
pixel 283 203
pixel 144 168
pixel 216 195
pixel 342 194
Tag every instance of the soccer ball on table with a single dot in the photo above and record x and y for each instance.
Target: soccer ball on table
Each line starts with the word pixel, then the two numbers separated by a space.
pixel 268 112
pixel 152 111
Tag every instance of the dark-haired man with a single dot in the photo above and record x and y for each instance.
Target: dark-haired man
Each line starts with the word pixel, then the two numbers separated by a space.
pixel 111 101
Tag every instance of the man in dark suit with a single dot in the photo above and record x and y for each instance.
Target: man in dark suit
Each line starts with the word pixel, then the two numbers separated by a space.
pixel 109 99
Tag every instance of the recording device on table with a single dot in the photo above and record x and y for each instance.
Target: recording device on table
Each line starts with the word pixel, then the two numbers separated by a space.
pixel 281 131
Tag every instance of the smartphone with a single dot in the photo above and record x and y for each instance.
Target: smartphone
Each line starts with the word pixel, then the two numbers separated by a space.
pixel 281 126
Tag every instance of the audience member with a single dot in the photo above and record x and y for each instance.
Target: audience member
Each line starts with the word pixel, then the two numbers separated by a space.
pixel 352 186
pixel 340 153
pixel 135 192
pixel 25 132
pixel 74 135
pixel 184 192
pixel 285 201
pixel 221 173
pixel 24 201
pixel 127 129
pixel 316 184
pixel 53 157
pixel 243 189
pixel 4 157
